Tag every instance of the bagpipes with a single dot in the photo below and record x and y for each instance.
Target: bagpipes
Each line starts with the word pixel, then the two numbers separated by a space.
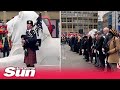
pixel 25 45
pixel 36 27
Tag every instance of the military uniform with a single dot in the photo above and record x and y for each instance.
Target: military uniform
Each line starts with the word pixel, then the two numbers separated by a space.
pixel 30 47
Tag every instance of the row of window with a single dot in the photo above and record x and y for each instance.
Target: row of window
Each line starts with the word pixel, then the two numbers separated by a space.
pixel 79 20
pixel 82 14
pixel 74 26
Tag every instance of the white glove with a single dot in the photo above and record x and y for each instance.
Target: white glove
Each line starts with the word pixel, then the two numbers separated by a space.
pixel 103 49
pixel 94 50
pixel 98 52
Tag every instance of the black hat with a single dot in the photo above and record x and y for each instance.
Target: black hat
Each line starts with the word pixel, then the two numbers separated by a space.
pixel 30 22
pixel 85 37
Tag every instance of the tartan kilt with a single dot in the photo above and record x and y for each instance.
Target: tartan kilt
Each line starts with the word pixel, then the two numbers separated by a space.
pixel 31 57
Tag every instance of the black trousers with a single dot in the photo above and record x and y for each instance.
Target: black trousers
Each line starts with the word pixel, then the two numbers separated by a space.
pixel 108 67
pixel 5 50
pixel 86 54
pixel 80 51
pixel 102 61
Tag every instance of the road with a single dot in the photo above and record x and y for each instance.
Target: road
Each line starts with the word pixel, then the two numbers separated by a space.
pixel 74 60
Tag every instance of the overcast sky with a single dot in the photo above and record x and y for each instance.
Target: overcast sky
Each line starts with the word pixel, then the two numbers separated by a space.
pixel 101 13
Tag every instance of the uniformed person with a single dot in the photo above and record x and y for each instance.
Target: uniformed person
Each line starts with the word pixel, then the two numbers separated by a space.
pixel 30 45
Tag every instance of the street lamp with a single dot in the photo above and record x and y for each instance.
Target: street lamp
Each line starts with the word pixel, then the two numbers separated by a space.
pixel 4 16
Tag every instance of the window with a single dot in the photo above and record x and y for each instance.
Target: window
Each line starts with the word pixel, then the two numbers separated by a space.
pixel 69 26
pixel 64 26
pixel 73 26
pixel 90 26
pixel 63 19
pixel 46 21
pixel 85 20
pixel 95 26
pixel 91 20
pixel 95 14
pixel 95 20
pixel 69 19
pixel 85 26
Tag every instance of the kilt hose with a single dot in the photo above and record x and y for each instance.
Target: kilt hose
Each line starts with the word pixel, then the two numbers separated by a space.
pixel 30 58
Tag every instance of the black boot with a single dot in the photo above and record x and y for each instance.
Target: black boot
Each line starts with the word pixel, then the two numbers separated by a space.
pixel 28 65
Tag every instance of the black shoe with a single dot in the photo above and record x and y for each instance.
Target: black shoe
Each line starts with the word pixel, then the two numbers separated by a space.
pixel 87 60
pixel 96 65
pixel 28 65
pixel 91 61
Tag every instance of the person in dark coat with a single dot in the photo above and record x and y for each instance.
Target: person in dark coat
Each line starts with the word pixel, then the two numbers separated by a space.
pixel 105 46
pixel 85 47
pixel 89 47
pixel 79 48
pixel 93 48
pixel 99 51
pixel 30 45
pixel 75 44
pixel 99 54
pixel 6 45
pixel 72 42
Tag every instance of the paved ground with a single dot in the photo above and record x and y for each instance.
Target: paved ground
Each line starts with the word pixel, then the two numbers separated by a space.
pixel 74 60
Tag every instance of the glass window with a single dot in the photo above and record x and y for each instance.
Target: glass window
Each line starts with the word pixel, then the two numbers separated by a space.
pixel 90 26
pixel 64 26
pixel 69 26
pixel 46 21
pixel 95 14
pixel 63 19
pixel 95 26
pixel 95 20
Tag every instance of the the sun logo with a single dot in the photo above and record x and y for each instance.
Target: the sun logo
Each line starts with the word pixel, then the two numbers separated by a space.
pixel 19 72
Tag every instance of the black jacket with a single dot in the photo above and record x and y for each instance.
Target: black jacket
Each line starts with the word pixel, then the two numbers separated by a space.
pixel 31 40
pixel 100 44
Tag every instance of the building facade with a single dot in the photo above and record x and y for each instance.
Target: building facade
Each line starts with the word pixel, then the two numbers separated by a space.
pixel 112 18
pixel 100 25
pixel 108 19
pixel 73 21
pixel 116 20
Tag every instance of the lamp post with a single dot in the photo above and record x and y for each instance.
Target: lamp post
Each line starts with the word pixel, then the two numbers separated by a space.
pixel 4 16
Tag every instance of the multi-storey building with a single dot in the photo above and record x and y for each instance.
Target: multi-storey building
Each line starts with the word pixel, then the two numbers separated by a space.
pixel 74 21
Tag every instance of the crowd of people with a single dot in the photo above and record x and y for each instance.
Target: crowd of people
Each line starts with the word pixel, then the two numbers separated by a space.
pixel 102 50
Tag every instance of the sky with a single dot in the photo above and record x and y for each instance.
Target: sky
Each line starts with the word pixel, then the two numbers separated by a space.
pixel 101 13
